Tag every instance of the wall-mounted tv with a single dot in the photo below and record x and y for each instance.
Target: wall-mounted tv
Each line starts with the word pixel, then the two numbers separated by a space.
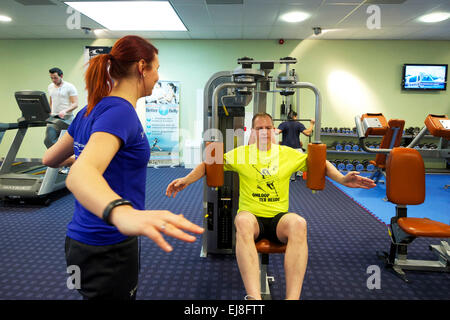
pixel 424 77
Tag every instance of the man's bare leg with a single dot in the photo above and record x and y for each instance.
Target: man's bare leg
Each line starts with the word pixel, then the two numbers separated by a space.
pixel 247 230
pixel 292 229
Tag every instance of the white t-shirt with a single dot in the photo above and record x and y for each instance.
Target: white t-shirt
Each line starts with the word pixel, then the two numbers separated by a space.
pixel 60 96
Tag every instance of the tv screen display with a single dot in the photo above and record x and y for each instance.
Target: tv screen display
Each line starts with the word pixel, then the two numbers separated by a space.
pixel 424 77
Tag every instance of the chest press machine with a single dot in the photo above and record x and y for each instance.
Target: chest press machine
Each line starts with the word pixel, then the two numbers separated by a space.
pixel 405 185
pixel 224 127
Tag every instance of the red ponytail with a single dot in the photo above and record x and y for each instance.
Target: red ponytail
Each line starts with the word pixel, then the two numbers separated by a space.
pixel 125 52
pixel 98 81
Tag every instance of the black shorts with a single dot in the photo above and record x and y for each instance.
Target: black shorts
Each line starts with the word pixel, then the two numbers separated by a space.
pixel 268 228
pixel 106 272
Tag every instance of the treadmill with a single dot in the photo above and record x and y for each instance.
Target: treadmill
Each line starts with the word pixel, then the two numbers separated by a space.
pixel 26 180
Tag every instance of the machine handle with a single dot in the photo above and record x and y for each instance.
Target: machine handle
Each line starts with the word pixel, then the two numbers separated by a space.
pixel 214 164
pixel 316 161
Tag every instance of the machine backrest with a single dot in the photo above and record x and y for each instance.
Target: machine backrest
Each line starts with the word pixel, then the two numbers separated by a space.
pixel 439 126
pixel 374 124
pixel 34 105
pixel 405 177
pixel 391 139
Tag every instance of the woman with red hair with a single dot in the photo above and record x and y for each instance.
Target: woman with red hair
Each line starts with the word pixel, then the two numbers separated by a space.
pixel 109 173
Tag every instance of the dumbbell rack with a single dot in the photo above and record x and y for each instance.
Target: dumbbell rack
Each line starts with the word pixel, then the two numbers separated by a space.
pixel 341 155
pixel 346 154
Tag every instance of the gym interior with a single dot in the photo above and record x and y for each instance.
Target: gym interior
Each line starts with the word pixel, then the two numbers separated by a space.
pixel 353 55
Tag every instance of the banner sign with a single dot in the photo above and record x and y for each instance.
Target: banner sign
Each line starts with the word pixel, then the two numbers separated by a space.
pixel 162 123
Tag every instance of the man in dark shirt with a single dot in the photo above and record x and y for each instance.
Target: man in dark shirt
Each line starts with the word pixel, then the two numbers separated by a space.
pixel 291 130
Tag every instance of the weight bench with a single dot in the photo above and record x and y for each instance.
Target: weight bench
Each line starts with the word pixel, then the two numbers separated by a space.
pixel 264 248
pixel 405 185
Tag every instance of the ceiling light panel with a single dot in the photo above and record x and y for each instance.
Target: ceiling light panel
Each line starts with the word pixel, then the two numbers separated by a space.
pixel 295 16
pixel 131 15
pixel 435 17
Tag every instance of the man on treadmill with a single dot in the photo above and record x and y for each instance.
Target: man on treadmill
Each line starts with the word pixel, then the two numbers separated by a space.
pixel 63 100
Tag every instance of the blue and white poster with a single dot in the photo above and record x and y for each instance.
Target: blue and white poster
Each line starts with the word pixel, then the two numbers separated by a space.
pixel 162 123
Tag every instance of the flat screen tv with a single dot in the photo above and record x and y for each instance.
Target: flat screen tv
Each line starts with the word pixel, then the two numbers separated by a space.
pixel 424 77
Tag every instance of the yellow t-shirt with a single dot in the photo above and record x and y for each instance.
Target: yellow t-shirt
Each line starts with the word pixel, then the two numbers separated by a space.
pixel 264 177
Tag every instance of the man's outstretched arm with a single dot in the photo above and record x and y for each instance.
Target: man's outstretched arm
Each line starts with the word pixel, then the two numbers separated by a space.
pixel 179 184
pixel 351 179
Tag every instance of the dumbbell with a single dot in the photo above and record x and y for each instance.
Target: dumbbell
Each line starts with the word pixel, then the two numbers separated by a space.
pixel 409 131
pixel 348 146
pixel 368 165
pixel 339 146
pixel 358 166
pixel 349 166
pixel 340 165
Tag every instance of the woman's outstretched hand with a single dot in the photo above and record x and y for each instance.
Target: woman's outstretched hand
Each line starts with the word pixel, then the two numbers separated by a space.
pixel 153 224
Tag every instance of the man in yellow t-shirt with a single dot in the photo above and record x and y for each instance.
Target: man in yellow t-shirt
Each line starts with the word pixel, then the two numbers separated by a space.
pixel 264 170
pixel 263 187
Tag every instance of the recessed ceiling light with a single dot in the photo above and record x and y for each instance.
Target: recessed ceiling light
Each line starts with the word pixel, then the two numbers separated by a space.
pixel 99 32
pixel 296 16
pixel 5 19
pixel 435 17
pixel 131 15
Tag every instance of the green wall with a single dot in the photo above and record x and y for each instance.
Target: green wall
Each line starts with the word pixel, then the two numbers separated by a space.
pixel 354 76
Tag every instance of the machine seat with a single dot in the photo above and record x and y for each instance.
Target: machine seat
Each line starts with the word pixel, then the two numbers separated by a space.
pixel 424 227
pixel 265 246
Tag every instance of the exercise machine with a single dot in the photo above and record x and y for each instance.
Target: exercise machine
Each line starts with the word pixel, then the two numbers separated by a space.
pixel 405 185
pixel 224 127
pixel 224 131
pixel 391 139
pixel 29 179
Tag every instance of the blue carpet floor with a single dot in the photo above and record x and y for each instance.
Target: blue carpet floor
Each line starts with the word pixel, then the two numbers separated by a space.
pixel 435 207
pixel 343 239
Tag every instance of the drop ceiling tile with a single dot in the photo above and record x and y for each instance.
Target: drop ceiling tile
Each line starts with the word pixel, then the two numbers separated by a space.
pixel 194 15
pixel 228 32
pixel 226 15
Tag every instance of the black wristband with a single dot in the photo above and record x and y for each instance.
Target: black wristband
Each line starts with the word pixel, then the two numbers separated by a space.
pixel 112 205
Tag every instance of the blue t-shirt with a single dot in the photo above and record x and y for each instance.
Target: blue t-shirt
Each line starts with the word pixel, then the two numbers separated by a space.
pixel 126 173
pixel 290 133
